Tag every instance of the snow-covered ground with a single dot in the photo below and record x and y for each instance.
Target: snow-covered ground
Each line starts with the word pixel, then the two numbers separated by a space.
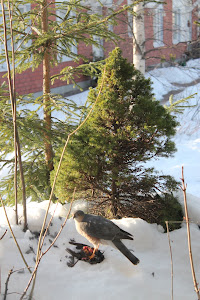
pixel 116 278
pixel 187 138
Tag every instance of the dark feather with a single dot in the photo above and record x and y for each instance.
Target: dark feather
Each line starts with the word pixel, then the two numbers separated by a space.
pixel 124 250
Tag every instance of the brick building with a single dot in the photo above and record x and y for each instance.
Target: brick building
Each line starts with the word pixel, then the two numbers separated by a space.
pixel 168 30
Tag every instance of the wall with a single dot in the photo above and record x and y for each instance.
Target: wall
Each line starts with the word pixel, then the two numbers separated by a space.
pixel 31 82
pixel 172 48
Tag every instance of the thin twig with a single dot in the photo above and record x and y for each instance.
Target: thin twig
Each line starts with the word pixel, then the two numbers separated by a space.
pixel 13 105
pixel 179 222
pixel 14 110
pixel 3 235
pixel 46 230
pixel 188 235
pixel 33 274
pixel 11 91
pixel 62 226
pixel 59 165
pixel 20 251
pixel 6 284
pixel 43 253
pixel 55 179
pixel 170 249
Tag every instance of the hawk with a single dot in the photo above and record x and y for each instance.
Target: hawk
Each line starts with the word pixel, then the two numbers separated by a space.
pixel 97 230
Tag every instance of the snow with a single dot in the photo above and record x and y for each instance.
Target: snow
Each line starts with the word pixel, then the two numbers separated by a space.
pixel 168 79
pixel 116 278
pixel 187 138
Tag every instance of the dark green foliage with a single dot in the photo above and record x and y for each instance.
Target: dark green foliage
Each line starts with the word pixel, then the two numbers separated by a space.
pixel 30 128
pixel 126 129
pixel 69 23
pixel 170 210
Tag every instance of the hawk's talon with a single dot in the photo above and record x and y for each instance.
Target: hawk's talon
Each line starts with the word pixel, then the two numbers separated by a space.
pixel 92 256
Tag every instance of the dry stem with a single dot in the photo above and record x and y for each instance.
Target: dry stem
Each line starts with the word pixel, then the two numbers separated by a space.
pixel 58 169
pixel 170 249
pixel 3 235
pixel 43 253
pixel 12 94
pixel 6 283
pixel 14 235
pixel 189 238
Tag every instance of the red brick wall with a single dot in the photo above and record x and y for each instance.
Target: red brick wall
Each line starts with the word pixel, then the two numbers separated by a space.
pixel 154 55
pixel 121 29
pixel 31 82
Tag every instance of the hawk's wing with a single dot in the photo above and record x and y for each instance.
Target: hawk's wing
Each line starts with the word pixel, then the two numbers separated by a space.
pixel 101 228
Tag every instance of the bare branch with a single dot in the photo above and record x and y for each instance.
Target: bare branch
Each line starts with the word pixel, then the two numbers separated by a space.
pixel 11 84
pixel 189 238
pixel 3 235
pixel 170 249
pixel 56 175
pixel 6 283
pixel 62 226
pixel 20 251
pixel 43 253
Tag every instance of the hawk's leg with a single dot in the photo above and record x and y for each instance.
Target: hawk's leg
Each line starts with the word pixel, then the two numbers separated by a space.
pixel 93 253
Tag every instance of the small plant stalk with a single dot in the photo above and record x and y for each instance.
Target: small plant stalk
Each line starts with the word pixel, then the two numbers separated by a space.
pixel 20 251
pixel 43 253
pixel 188 235
pixel 172 272
pixel 55 179
pixel 12 93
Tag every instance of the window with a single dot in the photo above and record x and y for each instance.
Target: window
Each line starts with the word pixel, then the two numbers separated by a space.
pixel 158 27
pixel 3 66
pixel 97 51
pixel 182 26
pixel 73 48
pixel 176 26
pixel 188 32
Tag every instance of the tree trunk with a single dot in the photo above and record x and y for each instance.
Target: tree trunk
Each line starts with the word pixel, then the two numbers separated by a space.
pixel 46 97
pixel 139 38
pixel 114 201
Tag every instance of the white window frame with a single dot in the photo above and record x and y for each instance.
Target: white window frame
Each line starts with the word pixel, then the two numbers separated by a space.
pixel 158 27
pixel 185 8
pixel 98 52
pixel 3 66
pixel 74 49
pixel 187 33
pixel 176 26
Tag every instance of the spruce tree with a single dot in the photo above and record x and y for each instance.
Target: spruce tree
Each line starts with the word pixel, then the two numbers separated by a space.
pixel 43 34
pixel 127 128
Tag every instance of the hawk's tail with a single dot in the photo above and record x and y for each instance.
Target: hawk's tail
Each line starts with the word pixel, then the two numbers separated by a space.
pixel 124 250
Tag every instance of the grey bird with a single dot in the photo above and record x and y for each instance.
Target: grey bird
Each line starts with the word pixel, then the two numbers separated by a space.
pixel 97 230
